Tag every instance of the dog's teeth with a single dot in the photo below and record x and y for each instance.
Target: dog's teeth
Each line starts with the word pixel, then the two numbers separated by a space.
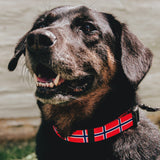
pixel 51 85
pixel 56 81
pixel 47 84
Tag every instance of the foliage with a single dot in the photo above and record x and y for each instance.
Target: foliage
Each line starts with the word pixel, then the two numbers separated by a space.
pixel 18 150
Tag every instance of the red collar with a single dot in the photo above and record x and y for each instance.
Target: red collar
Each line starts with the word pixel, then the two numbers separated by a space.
pixel 122 123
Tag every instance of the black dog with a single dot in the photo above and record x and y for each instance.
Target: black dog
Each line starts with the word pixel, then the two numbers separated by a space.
pixel 87 67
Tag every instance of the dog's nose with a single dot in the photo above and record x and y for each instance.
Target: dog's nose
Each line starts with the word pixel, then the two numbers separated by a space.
pixel 40 39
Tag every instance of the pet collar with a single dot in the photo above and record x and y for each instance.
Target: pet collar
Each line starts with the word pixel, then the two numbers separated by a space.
pixel 122 123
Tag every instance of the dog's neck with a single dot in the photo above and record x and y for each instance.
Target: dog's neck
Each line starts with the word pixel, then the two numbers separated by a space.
pixel 77 115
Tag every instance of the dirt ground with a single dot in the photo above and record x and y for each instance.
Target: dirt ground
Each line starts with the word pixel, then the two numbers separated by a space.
pixel 18 129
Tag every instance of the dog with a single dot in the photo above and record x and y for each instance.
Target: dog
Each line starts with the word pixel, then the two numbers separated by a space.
pixel 87 67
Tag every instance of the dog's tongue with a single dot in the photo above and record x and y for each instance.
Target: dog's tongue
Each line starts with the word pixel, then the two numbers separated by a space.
pixel 44 80
pixel 57 80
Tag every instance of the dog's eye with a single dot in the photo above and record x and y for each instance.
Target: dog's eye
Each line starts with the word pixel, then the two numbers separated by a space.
pixel 87 28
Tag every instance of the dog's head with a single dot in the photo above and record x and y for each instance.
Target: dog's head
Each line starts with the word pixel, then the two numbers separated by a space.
pixel 74 53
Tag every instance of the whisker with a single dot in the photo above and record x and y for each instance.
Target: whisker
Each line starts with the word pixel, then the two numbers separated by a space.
pixel 26 75
pixel 75 98
pixel 115 60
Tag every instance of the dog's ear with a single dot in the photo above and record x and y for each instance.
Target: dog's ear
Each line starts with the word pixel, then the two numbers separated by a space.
pixel 21 46
pixel 19 50
pixel 135 59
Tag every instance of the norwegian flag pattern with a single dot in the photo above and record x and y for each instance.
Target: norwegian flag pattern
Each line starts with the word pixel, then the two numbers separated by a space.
pixel 111 129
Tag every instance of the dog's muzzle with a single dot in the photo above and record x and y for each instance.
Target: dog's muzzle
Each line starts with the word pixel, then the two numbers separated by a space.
pixel 53 86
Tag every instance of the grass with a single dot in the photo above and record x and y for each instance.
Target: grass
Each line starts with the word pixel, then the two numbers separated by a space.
pixel 24 150
pixel 18 150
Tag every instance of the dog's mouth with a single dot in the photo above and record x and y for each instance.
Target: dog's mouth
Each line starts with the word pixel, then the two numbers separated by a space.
pixel 49 84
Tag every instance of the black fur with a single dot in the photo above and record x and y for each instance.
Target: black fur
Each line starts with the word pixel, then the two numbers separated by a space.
pixel 132 61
